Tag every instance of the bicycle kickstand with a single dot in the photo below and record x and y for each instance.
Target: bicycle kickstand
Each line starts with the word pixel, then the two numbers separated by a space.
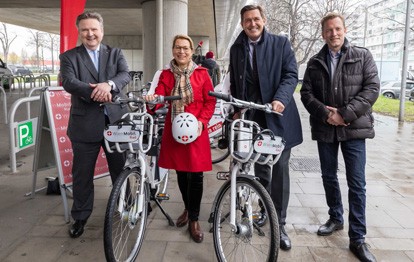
pixel 170 221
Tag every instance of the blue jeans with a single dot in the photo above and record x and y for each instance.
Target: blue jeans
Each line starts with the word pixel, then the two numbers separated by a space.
pixel 354 154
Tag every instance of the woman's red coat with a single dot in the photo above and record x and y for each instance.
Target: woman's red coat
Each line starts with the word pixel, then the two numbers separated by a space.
pixel 195 156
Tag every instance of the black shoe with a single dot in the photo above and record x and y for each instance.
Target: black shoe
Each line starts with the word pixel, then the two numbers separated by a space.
pixel 76 230
pixel 329 227
pixel 260 218
pixel 362 252
pixel 285 243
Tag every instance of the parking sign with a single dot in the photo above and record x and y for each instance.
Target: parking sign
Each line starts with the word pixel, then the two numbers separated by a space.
pixel 26 134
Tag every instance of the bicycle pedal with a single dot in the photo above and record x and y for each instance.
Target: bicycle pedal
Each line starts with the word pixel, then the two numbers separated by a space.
pixel 163 196
pixel 223 175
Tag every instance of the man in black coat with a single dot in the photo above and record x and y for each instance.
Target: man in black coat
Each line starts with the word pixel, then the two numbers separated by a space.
pixel 92 73
pixel 339 88
pixel 213 68
pixel 268 75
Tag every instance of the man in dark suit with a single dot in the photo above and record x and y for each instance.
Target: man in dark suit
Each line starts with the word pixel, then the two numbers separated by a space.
pixel 92 73
pixel 263 70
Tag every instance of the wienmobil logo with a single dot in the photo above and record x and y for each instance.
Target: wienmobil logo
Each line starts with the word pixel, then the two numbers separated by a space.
pixel 125 133
pixel 269 144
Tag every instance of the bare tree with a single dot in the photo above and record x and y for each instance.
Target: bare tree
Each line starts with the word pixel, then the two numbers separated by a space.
pixel 24 56
pixel 300 21
pixel 392 13
pixel 53 45
pixel 38 40
pixel 13 58
pixel 6 41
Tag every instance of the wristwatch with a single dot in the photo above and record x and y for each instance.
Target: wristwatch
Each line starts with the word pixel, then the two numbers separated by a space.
pixel 111 83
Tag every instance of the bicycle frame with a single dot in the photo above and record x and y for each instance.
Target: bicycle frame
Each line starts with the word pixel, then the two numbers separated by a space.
pixel 244 135
pixel 137 151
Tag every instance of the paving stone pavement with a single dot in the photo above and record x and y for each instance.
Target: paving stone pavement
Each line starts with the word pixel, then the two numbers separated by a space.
pixel 34 229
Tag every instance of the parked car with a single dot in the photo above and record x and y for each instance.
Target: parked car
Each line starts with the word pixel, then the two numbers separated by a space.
pixel 4 70
pixel 19 70
pixel 22 71
pixel 411 95
pixel 392 89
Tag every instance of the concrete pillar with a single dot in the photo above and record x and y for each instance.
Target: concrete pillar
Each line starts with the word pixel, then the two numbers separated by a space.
pixel 175 22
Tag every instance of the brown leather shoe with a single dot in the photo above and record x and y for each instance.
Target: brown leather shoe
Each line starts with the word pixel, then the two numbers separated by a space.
pixel 195 231
pixel 183 219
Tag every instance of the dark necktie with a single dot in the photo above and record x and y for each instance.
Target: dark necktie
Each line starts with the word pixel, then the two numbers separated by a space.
pixel 254 65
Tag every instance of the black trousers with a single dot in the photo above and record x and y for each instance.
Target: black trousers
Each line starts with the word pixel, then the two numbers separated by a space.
pixel 191 188
pixel 276 180
pixel 84 161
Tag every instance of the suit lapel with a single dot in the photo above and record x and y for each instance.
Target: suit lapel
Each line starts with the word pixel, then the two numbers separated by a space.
pixel 87 61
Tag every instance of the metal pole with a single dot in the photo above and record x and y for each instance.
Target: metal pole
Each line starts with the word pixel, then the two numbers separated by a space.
pixel 365 25
pixel 4 103
pixel 382 50
pixel 404 65
pixel 159 34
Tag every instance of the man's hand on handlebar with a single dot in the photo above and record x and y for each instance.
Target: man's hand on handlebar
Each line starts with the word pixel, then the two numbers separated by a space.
pixel 277 106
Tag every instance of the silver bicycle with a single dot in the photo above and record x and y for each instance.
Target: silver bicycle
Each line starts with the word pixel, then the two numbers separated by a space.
pixel 242 200
pixel 138 134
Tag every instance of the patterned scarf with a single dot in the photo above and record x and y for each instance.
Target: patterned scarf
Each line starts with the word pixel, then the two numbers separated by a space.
pixel 186 92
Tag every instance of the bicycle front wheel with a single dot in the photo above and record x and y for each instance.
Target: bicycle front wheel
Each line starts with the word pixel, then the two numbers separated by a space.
pixel 126 217
pixel 247 241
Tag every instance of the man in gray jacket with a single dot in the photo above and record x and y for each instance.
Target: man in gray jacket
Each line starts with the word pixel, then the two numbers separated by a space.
pixel 92 73
pixel 339 88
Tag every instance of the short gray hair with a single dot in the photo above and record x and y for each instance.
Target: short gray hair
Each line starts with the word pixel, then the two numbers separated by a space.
pixel 89 15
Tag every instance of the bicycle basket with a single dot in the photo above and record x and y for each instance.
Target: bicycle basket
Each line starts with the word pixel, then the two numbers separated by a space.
pixel 268 144
pixel 250 143
pixel 269 147
pixel 122 131
pixel 123 134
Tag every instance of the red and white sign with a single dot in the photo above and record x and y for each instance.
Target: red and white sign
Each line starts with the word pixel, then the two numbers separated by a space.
pixel 59 105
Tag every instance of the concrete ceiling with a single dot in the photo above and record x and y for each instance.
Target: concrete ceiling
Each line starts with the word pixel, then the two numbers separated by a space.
pixel 124 17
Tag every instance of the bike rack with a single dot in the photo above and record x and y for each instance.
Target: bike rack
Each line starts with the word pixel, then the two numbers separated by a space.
pixel 41 81
pixel 135 84
pixel 4 104
pixel 12 125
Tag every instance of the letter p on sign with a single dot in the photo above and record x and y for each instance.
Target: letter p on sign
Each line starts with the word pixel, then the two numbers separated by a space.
pixel 25 134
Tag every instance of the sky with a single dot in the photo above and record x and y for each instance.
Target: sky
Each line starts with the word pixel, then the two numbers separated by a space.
pixel 21 42
pixel 22 38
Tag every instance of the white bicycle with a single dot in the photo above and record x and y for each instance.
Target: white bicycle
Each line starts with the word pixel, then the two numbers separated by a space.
pixel 241 201
pixel 138 134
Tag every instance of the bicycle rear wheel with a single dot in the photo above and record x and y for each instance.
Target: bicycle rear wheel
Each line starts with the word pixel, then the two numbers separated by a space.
pixel 125 217
pixel 248 242
pixel 217 154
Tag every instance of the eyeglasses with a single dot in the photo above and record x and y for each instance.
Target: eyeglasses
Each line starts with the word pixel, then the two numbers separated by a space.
pixel 182 48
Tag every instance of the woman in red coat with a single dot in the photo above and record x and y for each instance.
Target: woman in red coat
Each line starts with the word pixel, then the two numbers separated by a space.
pixel 192 83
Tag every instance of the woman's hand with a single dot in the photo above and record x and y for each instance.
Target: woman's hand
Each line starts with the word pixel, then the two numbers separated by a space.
pixel 149 98
pixel 200 128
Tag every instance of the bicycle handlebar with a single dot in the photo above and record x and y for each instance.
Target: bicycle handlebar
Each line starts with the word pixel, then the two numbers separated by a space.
pixel 136 99
pixel 243 104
